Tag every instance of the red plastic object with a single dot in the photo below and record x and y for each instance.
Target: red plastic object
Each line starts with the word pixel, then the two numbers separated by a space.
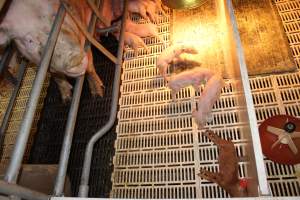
pixel 243 183
pixel 280 153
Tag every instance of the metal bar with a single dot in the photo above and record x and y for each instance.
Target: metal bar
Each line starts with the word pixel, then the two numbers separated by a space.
pixel 5 58
pixel 108 29
pixel 24 193
pixel 20 146
pixel 84 188
pixel 97 13
pixel 13 97
pixel 260 166
pixel 79 24
pixel 72 116
pixel 4 198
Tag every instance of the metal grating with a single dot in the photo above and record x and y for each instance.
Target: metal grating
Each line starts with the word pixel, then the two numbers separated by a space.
pixel 17 115
pixel 93 113
pixel 159 150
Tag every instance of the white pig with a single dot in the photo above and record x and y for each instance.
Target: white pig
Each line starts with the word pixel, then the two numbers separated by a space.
pixel 143 30
pixel 171 53
pixel 208 98
pixel 28 22
pixel 195 77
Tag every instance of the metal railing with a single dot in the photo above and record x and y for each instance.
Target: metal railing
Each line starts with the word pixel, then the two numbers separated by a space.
pixel 9 186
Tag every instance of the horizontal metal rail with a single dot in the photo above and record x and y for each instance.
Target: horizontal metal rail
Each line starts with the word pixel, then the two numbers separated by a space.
pixel 24 193
pixel 84 188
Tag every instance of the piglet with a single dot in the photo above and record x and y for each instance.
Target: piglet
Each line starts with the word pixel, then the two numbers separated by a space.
pixel 172 53
pixel 193 77
pixel 208 98
pixel 228 175
pixel 143 30
pixel 137 6
pixel 134 42
pixel 159 7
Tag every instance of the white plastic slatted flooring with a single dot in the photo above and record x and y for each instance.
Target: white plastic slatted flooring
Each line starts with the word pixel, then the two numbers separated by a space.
pixel 159 149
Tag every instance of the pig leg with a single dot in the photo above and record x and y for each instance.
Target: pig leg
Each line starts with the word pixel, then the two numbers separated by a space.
pixel 95 83
pixel 196 87
pixel 207 99
pixel 143 12
pixel 173 93
pixel 136 42
pixel 65 88
pixel 138 7
pixel 161 39
pixel 213 137
pixel 159 7
pixel 210 176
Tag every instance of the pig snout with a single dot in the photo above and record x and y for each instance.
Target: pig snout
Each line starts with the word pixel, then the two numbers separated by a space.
pixel 76 66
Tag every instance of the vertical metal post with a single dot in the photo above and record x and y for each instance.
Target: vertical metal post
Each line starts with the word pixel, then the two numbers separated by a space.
pixel 12 100
pixel 84 188
pixel 260 166
pixel 24 131
pixel 72 116
pixel 6 57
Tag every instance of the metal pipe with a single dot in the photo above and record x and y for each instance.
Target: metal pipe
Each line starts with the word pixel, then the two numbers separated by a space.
pixel 97 13
pixel 20 145
pixel 6 57
pixel 12 100
pixel 108 29
pixel 72 116
pixel 260 166
pixel 24 193
pixel 84 188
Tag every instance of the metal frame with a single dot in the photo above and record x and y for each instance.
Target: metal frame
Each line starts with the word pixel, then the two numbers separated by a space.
pixel 84 188
pixel 72 116
pixel 9 186
pixel 260 166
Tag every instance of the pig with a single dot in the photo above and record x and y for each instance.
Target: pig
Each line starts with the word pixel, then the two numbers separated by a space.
pixel 141 7
pixel 69 58
pixel 143 30
pixel 228 175
pixel 137 6
pixel 107 13
pixel 171 53
pixel 9 73
pixel 152 10
pixel 146 9
pixel 160 7
pixel 194 77
pixel 208 98
pixel 117 8
pixel 134 42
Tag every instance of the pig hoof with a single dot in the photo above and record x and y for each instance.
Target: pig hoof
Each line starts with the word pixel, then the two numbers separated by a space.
pixel 65 89
pixel 210 135
pixel 204 174
pixel 97 89
pixel 66 97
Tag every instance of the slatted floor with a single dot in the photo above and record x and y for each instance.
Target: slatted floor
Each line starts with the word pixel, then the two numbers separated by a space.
pixel 159 149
